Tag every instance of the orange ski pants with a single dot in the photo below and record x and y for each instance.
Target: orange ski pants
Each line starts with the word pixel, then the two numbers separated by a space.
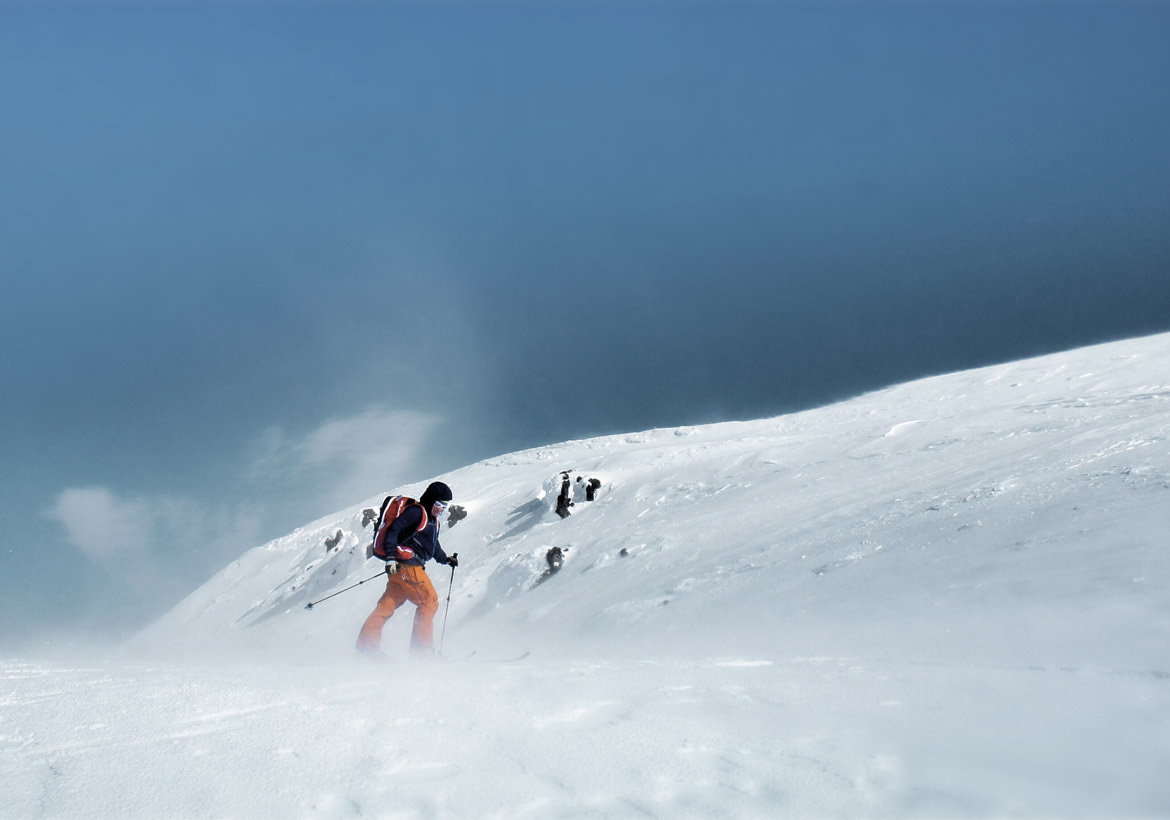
pixel 410 584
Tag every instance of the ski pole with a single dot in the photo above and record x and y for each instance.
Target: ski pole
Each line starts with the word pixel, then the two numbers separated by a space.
pixel 443 634
pixel 312 604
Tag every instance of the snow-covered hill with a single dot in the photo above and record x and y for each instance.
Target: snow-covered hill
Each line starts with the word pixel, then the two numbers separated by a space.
pixel 1016 513
pixel 947 598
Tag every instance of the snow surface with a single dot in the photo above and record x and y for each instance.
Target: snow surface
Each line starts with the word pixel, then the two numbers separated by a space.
pixel 944 599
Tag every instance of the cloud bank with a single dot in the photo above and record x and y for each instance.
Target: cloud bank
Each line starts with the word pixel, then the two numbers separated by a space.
pixel 347 459
pixel 102 525
pixel 336 464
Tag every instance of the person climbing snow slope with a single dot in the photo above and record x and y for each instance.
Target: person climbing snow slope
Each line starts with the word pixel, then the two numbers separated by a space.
pixel 417 530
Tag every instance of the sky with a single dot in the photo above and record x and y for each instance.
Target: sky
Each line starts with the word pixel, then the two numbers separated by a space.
pixel 262 261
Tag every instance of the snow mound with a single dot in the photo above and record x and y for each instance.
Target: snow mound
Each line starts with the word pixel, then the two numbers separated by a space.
pixel 1013 513
pixel 944 599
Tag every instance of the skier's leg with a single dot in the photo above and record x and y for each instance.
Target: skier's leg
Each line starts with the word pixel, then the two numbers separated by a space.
pixel 370 637
pixel 423 596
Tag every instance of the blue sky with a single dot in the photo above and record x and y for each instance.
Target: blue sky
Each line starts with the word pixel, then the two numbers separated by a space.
pixel 264 260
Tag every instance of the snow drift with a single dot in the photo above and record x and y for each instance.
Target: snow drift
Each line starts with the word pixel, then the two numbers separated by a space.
pixel 946 598
pixel 1015 513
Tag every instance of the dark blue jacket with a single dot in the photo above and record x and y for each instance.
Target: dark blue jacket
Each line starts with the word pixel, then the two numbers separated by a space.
pixel 425 542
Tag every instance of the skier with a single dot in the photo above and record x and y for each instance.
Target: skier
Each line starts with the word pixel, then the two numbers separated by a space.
pixel 408 580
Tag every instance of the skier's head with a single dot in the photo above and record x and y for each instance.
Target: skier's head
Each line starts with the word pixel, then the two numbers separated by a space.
pixel 437 492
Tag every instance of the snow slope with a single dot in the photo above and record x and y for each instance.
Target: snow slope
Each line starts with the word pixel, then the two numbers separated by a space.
pixel 947 598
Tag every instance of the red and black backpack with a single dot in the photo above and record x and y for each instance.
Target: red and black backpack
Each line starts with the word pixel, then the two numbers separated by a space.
pixel 392 507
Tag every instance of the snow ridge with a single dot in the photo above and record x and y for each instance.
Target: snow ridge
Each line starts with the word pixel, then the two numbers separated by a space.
pixel 948 598
pixel 998 487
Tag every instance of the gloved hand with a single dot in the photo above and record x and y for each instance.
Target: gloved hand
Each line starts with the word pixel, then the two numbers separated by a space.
pixel 453 560
pixel 391 567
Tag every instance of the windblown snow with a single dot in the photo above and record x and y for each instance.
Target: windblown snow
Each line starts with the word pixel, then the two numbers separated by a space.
pixel 944 599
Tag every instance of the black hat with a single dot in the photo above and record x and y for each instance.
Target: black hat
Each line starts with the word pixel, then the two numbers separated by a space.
pixel 438 491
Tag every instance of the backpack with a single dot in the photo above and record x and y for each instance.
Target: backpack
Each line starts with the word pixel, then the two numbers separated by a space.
pixel 392 507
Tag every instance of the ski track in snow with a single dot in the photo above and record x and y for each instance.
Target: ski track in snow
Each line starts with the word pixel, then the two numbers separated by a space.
pixel 944 599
